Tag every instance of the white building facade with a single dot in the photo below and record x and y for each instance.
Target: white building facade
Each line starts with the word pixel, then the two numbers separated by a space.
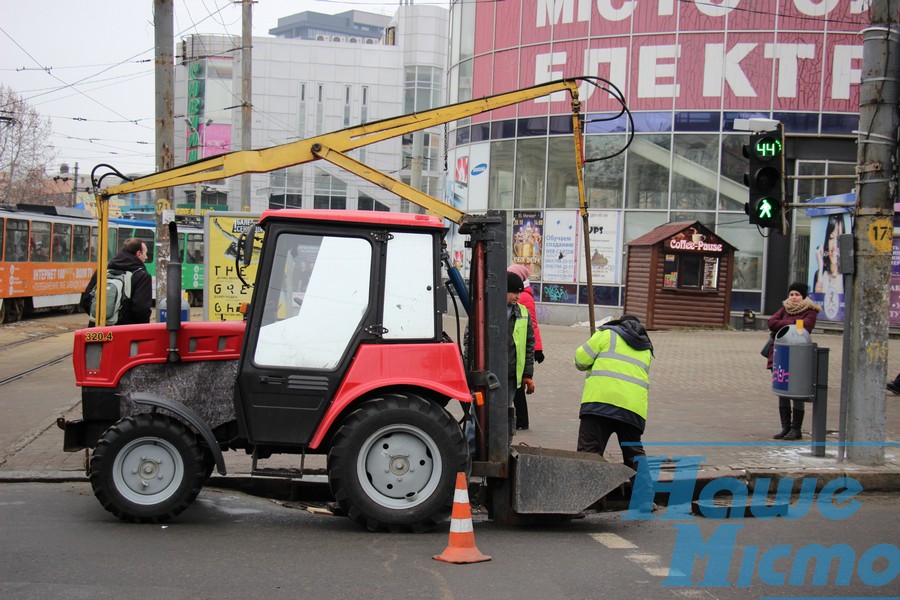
pixel 307 87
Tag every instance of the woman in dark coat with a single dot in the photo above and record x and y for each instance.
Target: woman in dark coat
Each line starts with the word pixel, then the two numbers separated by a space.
pixel 798 306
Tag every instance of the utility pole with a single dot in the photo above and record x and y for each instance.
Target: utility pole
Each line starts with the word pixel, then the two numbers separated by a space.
pixel 246 92
pixel 873 233
pixel 75 187
pixel 164 58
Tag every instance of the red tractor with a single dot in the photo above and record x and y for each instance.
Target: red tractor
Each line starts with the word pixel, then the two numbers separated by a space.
pixel 342 352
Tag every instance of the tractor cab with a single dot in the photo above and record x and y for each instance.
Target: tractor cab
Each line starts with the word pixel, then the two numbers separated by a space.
pixel 340 298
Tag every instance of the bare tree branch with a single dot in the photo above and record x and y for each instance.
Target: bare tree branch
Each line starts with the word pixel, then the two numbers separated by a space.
pixel 26 154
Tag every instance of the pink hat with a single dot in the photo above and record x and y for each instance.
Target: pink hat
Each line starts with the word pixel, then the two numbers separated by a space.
pixel 521 270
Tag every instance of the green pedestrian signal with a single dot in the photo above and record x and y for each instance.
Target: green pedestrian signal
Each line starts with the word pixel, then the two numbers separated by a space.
pixel 765 205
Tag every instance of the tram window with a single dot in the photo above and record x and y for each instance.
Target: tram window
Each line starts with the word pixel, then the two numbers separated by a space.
pixel 40 241
pixel 62 242
pixel 194 249
pixel 2 231
pixel 81 244
pixel 122 235
pixel 93 244
pixel 16 240
pixel 111 245
pixel 146 236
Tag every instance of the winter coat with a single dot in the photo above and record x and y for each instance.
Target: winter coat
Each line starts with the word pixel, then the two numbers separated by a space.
pixel 782 318
pixel 527 298
pixel 138 309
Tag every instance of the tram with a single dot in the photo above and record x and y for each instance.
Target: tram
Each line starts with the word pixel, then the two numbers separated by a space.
pixel 190 244
pixel 46 258
pixel 49 253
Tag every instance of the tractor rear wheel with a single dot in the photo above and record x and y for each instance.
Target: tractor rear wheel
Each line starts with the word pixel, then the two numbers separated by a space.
pixel 394 461
pixel 147 468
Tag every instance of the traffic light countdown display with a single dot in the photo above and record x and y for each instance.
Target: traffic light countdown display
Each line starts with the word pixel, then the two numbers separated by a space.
pixel 766 202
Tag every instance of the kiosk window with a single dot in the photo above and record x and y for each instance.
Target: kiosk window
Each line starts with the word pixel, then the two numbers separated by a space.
pixel 690 271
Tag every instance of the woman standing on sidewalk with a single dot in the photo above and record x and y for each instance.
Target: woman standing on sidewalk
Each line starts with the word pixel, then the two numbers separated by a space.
pixel 798 306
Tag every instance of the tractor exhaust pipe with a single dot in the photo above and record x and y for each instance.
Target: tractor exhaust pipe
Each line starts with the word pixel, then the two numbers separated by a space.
pixel 173 294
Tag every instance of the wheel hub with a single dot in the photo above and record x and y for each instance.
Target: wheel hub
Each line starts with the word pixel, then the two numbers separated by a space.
pixel 147 470
pixel 399 465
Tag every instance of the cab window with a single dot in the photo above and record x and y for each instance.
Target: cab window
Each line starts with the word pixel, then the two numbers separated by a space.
pixel 316 298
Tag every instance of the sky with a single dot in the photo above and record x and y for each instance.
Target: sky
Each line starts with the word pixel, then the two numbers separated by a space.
pixel 88 66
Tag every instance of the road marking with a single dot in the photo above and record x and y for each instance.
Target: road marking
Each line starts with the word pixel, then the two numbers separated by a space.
pixel 653 565
pixel 611 540
pixel 650 563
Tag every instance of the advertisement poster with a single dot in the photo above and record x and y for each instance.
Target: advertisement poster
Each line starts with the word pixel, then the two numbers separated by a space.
pixel 560 246
pixel 224 290
pixel 528 232
pixel 826 282
pixel 603 233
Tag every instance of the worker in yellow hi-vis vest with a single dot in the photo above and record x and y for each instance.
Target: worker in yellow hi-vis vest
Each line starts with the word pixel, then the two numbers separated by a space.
pixel 617 360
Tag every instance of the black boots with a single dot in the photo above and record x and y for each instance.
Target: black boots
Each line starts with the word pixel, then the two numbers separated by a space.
pixel 796 423
pixel 785 413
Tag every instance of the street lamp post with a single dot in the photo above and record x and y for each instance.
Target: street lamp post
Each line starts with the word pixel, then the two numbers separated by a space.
pixel 198 190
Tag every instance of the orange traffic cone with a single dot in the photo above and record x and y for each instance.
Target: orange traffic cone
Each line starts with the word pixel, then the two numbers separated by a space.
pixel 461 548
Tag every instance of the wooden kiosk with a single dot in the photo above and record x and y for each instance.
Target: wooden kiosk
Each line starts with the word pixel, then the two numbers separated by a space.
pixel 679 275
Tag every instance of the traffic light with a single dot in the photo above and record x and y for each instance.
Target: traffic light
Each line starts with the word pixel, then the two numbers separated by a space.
pixel 765 179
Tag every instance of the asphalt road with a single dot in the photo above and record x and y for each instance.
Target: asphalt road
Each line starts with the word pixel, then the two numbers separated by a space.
pixel 57 542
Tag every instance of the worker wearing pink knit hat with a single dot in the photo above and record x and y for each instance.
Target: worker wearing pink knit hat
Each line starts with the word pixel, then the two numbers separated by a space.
pixel 527 299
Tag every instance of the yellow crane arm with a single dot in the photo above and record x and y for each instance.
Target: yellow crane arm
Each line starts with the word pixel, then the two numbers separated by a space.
pixel 331 147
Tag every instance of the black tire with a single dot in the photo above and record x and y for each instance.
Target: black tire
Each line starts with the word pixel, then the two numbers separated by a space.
pixel 147 468
pixel 393 464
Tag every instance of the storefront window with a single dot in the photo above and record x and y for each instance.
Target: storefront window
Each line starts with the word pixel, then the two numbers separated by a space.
pixel 531 176
pixel 707 219
pixel 748 255
pixel 648 172
pixel 638 223
pixel 500 194
pixel 733 166
pixel 603 179
pixel 562 178
pixel 810 188
pixel 694 178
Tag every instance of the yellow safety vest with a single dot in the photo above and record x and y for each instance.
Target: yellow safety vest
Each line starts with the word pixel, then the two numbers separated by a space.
pixel 520 339
pixel 617 373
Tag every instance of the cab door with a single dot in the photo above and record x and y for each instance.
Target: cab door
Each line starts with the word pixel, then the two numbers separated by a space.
pixel 311 310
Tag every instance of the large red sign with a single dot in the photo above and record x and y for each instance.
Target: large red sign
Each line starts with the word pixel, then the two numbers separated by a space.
pixel 797 55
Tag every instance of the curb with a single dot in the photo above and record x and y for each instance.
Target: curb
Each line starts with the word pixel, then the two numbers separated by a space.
pixel 316 486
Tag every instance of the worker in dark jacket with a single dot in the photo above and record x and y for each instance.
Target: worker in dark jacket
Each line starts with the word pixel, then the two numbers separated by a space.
pixel 131 258
pixel 520 340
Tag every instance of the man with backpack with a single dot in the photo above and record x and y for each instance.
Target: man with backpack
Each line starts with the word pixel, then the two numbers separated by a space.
pixel 129 287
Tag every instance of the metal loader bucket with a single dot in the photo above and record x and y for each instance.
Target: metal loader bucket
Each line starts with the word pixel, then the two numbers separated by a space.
pixel 561 482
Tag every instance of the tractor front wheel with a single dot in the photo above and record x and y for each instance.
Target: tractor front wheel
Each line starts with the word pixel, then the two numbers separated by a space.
pixel 147 468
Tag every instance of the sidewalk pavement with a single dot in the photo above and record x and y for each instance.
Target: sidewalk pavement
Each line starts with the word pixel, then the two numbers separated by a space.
pixel 710 396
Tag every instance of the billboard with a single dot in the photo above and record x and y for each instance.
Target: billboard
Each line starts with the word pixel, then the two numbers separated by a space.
pixel 225 292
pixel 733 55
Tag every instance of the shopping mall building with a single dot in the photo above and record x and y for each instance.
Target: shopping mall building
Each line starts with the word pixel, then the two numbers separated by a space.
pixel 687 69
